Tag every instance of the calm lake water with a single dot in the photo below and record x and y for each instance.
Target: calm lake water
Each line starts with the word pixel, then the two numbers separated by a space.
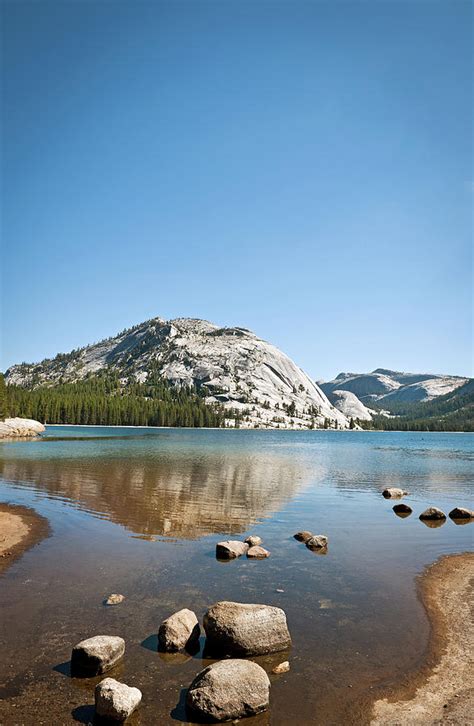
pixel 139 511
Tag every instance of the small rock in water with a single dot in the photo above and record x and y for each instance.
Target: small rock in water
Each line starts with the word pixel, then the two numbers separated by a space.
pixel 253 540
pixel 403 510
pixel 239 629
pixel 230 549
pixel 393 493
pixel 281 668
pixel 433 513
pixel 303 536
pixel 96 655
pixel 461 513
pixel 114 599
pixel 179 631
pixel 279 590
pixel 258 553
pixel 115 700
pixel 229 689
pixel 317 541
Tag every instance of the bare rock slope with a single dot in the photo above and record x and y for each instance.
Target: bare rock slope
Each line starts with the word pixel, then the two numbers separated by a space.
pixel 232 366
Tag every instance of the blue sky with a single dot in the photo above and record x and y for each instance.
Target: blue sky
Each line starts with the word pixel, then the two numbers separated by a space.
pixel 303 169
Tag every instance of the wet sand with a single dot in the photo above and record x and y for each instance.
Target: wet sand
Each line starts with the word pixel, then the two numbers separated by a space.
pixel 20 529
pixel 443 691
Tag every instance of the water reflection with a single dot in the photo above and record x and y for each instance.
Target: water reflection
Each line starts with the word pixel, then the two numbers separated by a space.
pixel 179 496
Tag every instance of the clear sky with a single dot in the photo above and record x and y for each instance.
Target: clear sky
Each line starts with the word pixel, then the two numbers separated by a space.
pixel 303 169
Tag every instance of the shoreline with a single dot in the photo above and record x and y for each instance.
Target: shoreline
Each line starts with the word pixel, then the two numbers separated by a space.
pixel 442 691
pixel 231 428
pixel 20 529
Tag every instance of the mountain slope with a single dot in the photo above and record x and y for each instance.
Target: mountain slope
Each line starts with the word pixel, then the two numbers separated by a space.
pixel 350 405
pixel 229 366
pixel 384 385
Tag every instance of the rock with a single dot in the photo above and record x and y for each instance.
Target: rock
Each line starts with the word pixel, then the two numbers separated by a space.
pixel 317 542
pixel 230 548
pixel 96 655
pixel 281 668
pixel 393 493
pixel 461 513
pixel 432 513
pixel 238 629
pixel 115 700
pixel 114 599
pixel 179 631
pixel 229 689
pixel 20 427
pixel 403 510
pixel 258 553
pixel 303 536
pixel 253 540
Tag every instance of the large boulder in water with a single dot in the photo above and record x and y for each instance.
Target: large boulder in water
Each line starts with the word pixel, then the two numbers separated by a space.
pixel 238 629
pixel 317 542
pixel 229 689
pixel 461 513
pixel 20 427
pixel 433 513
pixel 96 655
pixel 115 701
pixel 179 631
pixel 303 536
pixel 393 493
pixel 231 548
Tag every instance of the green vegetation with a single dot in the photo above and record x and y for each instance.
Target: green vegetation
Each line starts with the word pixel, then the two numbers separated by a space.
pixel 3 399
pixel 452 412
pixel 107 399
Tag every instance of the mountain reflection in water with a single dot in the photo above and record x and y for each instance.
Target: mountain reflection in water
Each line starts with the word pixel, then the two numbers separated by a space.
pixel 178 496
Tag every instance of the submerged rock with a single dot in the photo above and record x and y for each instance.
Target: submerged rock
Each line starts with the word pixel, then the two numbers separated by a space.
pixel 317 542
pixel 253 540
pixel 281 668
pixel 230 549
pixel 96 655
pixel 115 700
pixel 114 599
pixel 461 513
pixel 179 631
pixel 303 536
pixel 403 510
pixel 258 553
pixel 433 513
pixel 238 629
pixel 393 493
pixel 229 689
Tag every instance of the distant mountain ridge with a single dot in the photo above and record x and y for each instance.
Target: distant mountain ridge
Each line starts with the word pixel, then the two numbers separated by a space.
pixel 385 385
pixel 229 366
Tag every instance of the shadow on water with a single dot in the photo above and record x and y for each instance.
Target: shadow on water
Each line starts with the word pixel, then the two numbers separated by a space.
pixel 84 714
pixel 64 668
pixel 179 711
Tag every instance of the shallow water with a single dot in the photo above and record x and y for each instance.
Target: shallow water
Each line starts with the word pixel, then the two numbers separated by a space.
pixel 138 511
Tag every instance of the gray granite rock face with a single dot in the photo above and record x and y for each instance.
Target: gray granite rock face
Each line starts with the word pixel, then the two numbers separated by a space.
pixel 238 629
pixel 229 689
pixel 96 655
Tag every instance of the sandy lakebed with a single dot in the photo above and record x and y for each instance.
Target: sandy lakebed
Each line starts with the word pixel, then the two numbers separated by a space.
pixel 20 529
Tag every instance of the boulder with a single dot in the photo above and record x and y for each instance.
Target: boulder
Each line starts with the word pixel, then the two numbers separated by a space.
pixel 393 493
pixel 20 427
pixel 114 700
pixel 253 540
pixel 238 629
pixel 179 631
pixel 303 536
pixel 461 513
pixel 227 690
pixel 257 552
pixel 230 548
pixel 281 668
pixel 317 542
pixel 114 599
pixel 403 510
pixel 96 655
pixel 433 513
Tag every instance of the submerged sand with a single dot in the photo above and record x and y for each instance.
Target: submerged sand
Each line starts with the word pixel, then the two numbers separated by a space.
pixel 20 529
pixel 443 692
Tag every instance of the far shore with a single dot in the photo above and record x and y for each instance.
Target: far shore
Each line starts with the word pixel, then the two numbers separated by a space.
pixel 20 529
pixel 243 428
pixel 443 690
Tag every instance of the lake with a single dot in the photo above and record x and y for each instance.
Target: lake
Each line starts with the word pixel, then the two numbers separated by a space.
pixel 139 512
